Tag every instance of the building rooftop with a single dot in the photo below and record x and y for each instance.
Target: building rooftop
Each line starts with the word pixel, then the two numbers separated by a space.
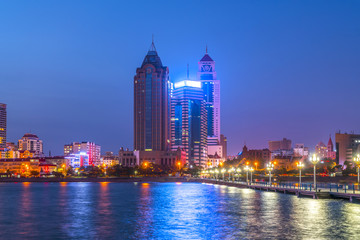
pixel 206 58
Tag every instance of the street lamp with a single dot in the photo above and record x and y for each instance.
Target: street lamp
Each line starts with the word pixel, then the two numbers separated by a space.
pixel 238 170
pixel 300 165
pixel 314 160
pixel 357 162
pixel 212 173
pixel 251 170
pixel 270 167
pixel 217 173
pixel 223 173
pixel 247 174
pixel 233 173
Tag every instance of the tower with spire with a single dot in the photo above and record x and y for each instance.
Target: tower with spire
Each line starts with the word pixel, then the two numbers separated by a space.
pixel 211 87
pixel 151 104
pixel 330 149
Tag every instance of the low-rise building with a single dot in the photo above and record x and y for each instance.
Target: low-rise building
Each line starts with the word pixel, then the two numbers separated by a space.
pixel 214 160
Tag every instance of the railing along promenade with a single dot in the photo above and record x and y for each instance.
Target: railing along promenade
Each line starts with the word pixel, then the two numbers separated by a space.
pixel 321 190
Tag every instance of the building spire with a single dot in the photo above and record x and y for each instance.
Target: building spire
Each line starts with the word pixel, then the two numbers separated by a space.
pixel 152 47
pixel 206 49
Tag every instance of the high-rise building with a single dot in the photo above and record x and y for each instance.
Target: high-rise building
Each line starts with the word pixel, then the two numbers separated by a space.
pixel 211 86
pixel 31 144
pixel 2 126
pixel 347 146
pixel 90 149
pixel 223 143
pixel 151 104
pixel 189 121
pixel 284 144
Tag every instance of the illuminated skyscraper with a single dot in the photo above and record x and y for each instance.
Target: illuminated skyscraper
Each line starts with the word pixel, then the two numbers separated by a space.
pixel 189 121
pixel 211 86
pixel 2 126
pixel 151 104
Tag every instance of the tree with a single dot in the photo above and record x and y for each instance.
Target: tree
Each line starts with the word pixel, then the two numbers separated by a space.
pixel 34 173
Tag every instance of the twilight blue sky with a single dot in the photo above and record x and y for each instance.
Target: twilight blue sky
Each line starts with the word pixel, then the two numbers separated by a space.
pixel 287 68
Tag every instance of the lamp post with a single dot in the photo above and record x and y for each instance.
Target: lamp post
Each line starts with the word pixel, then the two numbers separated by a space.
pixel 251 171
pixel 223 173
pixel 270 167
pixel 217 174
pixel 233 173
pixel 300 165
pixel 247 174
pixel 314 160
pixel 238 170
pixel 212 173
pixel 357 162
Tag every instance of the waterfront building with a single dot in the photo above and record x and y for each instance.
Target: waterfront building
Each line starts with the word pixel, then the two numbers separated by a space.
pixel 321 150
pixel 152 104
pixel 347 146
pixel 284 144
pixel 109 159
pixel 165 158
pixel 214 160
pixel 258 156
pixel 211 87
pixel 282 153
pixel 77 160
pixel 2 126
pixel 189 121
pixel 25 166
pixel 174 159
pixel 92 150
pixel 223 143
pixel 128 158
pixel 31 144
pixel 300 150
pixel 331 154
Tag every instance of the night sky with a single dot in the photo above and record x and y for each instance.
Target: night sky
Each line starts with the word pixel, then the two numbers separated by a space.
pixel 287 68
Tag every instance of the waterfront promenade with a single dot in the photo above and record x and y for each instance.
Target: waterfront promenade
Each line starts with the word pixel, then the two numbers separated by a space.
pixel 349 192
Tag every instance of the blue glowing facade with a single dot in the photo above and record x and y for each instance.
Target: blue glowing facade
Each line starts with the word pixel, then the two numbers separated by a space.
pixel 189 121
pixel 211 87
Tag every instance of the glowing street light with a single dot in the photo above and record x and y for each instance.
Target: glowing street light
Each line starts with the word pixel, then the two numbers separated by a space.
pixel 223 173
pixel 357 162
pixel 212 173
pixel 233 173
pixel 247 174
pixel 300 165
pixel 238 170
pixel 270 167
pixel 251 170
pixel 217 173
pixel 314 160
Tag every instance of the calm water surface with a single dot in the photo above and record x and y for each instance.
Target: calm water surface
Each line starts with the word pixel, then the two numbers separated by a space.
pixel 168 211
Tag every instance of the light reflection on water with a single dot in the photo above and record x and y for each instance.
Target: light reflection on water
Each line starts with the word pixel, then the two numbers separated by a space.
pixel 168 211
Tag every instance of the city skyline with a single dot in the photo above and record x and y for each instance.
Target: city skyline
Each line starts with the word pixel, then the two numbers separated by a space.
pixel 268 91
